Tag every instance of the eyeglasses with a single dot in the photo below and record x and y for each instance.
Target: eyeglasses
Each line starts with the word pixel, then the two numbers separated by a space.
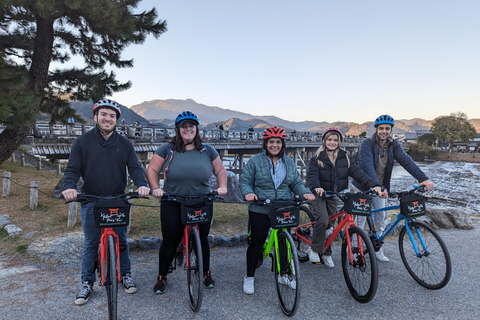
pixel 383 153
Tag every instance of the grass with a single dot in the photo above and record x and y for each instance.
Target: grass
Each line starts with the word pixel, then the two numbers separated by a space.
pixel 49 219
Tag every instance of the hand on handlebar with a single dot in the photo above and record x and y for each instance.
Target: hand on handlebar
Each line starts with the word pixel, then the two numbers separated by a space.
pixel 319 191
pixel 382 193
pixel 251 197
pixel 143 191
pixel 309 196
pixel 428 184
pixel 157 193
pixel 70 194
pixel 221 191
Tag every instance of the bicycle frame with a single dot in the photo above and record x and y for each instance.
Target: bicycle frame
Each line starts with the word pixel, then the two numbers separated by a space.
pixel 106 232
pixel 185 243
pixel 272 240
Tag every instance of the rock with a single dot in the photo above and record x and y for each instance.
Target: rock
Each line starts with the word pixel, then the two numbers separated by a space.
pixel 450 217
pixel 131 243
pixel 4 222
pixel 66 248
pixel 150 243
pixel 211 240
pixel 243 238
pixel 4 216
pixel 221 241
pixel 12 230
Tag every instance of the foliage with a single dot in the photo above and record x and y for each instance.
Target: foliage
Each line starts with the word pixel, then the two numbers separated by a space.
pixel 453 128
pixel 363 134
pixel 422 149
pixel 428 139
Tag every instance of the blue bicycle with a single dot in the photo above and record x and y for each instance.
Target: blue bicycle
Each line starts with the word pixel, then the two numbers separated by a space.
pixel 422 250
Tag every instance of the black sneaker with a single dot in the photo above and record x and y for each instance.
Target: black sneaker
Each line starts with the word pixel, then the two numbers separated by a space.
pixel 84 294
pixel 208 281
pixel 160 286
pixel 128 284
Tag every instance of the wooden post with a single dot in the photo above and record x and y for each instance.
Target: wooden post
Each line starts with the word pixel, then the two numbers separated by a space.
pixel 22 160
pixel 59 167
pixel 39 163
pixel 72 214
pixel 13 157
pixel 33 194
pixel 6 183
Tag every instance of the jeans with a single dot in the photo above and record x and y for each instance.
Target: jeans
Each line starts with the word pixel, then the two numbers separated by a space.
pixel 91 243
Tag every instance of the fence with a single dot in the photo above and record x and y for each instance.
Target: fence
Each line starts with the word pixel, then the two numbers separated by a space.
pixel 58 167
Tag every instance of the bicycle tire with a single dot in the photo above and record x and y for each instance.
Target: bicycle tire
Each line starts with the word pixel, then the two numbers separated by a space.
pixel 361 276
pixel 195 270
pixel 306 216
pixel 432 270
pixel 179 255
pixel 288 292
pixel 111 279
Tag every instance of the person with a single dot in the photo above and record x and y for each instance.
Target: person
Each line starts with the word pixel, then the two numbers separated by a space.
pixel 188 170
pixel 328 170
pixel 100 157
pixel 272 175
pixel 250 132
pixel 376 156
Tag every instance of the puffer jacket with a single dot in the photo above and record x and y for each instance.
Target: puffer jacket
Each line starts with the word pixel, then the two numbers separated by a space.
pixel 368 156
pixel 256 178
pixel 335 177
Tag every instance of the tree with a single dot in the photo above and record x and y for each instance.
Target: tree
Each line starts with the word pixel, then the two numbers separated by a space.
pixel 363 134
pixel 453 128
pixel 428 139
pixel 33 34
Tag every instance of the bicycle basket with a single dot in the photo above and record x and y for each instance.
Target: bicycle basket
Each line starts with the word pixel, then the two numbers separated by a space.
pixel 412 205
pixel 358 204
pixel 284 217
pixel 109 213
pixel 196 211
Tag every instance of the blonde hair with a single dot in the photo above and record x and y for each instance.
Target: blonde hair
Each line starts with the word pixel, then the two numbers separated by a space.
pixel 335 153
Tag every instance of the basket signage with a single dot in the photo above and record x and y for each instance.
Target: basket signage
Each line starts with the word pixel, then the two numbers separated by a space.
pixel 287 219
pixel 111 217
pixel 362 205
pixel 197 215
pixel 416 207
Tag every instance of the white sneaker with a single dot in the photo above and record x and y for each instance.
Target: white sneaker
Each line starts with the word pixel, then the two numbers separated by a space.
pixel 313 256
pixel 328 261
pixel 381 256
pixel 286 281
pixel 248 286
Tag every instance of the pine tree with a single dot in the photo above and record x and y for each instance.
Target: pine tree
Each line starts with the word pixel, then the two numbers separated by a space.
pixel 33 34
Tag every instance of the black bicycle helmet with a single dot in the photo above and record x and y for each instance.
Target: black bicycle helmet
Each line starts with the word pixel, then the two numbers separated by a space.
pixel 186 115
pixel 107 103
pixel 384 118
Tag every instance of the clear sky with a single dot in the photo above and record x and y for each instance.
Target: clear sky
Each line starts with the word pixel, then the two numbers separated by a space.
pixel 321 60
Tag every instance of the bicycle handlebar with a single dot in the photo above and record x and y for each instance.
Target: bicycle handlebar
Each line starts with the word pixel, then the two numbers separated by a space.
pixel 86 198
pixel 343 196
pixel 296 201
pixel 415 190
pixel 173 196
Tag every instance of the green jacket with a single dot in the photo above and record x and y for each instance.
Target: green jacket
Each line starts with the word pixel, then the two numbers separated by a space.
pixel 256 178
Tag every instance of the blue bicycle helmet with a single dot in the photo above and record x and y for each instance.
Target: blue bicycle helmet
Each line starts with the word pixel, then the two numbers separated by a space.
pixel 107 103
pixel 186 115
pixel 384 118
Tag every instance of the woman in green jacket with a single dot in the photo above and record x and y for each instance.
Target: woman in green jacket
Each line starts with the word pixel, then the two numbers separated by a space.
pixel 268 175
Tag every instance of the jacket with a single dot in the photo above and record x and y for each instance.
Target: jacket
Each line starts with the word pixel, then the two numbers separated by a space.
pixel 368 156
pixel 335 177
pixel 256 178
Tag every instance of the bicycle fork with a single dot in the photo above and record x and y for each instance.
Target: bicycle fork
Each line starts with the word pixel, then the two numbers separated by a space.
pixel 412 240
pixel 104 254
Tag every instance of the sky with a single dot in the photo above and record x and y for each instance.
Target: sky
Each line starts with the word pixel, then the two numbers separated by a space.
pixel 319 60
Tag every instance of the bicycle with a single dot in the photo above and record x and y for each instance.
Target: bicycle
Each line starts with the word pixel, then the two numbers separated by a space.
pixel 284 213
pixel 109 212
pixel 195 210
pixel 359 264
pixel 427 258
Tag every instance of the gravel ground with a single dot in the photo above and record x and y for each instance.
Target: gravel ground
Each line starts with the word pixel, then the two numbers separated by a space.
pixel 47 291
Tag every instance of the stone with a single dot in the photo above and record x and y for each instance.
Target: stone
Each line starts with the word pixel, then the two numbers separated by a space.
pixel 66 248
pixel 131 243
pixel 221 241
pixel 450 217
pixel 4 222
pixel 150 243
pixel 12 230
pixel 211 240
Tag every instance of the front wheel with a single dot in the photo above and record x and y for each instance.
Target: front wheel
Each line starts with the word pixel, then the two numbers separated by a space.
pixel 287 273
pixel 111 278
pixel 359 265
pixel 194 269
pixel 432 266
pixel 304 230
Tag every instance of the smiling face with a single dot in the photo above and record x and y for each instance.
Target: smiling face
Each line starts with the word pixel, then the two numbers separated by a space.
pixel 383 131
pixel 331 143
pixel 106 119
pixel 187 131
pixel 274 146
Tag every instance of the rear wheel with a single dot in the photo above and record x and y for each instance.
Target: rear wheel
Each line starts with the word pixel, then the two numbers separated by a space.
pixel 360 270
pixel 111 279
pixel 194 269
pixel 287 273
pixel 305 231
pixel 432 266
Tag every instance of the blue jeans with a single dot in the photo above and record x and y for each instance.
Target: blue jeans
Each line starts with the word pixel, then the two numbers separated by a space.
pixel 92 241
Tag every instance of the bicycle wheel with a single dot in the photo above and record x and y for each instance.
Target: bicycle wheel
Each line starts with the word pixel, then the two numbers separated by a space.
pixel 194 270
pixel 306 216
pixel 361 276
pixel 179 255
pixel 287 273
pixel 432 266
pixel 111 279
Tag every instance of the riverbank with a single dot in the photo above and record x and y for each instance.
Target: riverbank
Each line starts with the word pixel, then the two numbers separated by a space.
pixel 457 157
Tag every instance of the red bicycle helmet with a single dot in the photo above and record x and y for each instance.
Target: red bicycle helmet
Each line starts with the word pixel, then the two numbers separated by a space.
pixel 107 103
pixel 274 132
pixel 333 129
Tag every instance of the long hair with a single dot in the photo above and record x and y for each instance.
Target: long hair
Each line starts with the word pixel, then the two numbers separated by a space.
pixel 280 154
pixel 179 144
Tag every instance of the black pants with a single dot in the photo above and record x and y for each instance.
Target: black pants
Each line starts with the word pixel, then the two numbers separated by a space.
pixel 172 230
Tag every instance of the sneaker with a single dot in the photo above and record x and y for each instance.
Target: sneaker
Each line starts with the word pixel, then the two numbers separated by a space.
pixel 208 281
pixel 313 256
pixel 248 285
pixel 128 284
pixel 328 261
pixel 160 286
pixel 84 294
pixel 286 281
pixel 381 256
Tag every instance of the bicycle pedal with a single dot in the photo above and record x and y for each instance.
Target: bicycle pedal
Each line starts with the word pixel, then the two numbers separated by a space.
pixel 317 263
